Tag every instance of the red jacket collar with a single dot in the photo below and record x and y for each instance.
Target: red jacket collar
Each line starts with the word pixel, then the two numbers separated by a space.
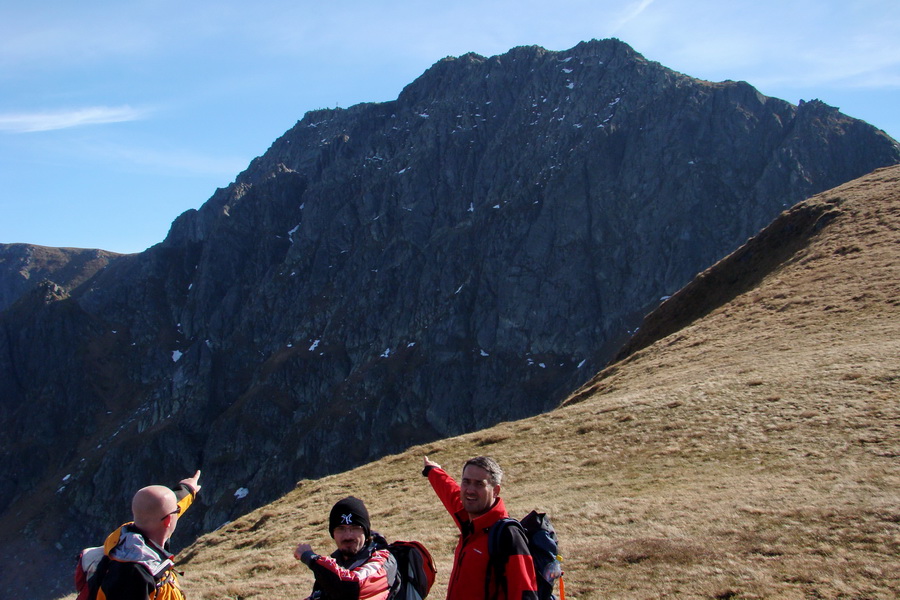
pixel 483 522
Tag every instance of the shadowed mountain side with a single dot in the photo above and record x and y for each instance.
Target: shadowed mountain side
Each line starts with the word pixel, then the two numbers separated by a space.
pixel 735 274
pixel 751 454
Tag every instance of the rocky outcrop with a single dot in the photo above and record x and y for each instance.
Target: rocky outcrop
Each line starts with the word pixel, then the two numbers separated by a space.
pixel 394 273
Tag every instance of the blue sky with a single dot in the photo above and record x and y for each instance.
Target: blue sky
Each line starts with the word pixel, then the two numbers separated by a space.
pixel 116 117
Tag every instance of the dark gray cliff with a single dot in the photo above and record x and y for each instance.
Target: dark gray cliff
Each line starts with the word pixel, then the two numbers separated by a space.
pixel 391 274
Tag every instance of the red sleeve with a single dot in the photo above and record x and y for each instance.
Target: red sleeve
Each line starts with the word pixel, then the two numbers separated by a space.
pixel 447 490
pixel 520 579
pixel 369 580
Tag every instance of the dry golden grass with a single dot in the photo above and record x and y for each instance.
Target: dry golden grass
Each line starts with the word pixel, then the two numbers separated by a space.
pixel 753 453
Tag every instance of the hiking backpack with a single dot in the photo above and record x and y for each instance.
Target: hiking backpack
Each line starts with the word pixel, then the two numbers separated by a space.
pixel 542 543
pixel 89 572
pixel 93 564
pixel 415 571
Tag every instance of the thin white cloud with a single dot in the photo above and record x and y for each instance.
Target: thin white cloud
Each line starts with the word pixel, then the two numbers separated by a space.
pixel 632 12
pixel 65 119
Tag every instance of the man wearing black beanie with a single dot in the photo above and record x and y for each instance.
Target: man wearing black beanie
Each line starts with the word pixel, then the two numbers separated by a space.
pixel 361 568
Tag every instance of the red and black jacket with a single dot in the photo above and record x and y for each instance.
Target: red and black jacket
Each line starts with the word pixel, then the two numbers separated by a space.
pixel 472 578
pixel 367 576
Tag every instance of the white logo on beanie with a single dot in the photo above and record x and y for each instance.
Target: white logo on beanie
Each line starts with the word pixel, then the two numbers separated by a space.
pixel 347 519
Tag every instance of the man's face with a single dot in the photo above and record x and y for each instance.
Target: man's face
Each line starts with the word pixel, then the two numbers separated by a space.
pixel 350 539
pixel 476 492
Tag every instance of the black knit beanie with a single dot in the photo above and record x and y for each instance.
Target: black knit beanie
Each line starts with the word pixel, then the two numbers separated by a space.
pixel 349 511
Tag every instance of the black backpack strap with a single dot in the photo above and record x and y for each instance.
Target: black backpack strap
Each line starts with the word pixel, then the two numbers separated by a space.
pixel 96 580
pixel 498 555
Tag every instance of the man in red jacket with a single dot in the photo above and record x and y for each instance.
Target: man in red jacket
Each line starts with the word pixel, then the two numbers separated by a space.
pixel 475 505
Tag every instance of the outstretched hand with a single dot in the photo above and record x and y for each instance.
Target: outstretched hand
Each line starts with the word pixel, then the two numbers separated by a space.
pixel 298 553
pixel 192 482
pixel 430 463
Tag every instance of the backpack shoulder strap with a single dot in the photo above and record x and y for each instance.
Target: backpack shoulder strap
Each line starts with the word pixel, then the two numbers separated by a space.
pixel 498 554
pixel 495 532
pixel 93 564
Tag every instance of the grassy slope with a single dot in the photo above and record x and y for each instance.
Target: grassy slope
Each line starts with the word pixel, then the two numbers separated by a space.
pixel 752 453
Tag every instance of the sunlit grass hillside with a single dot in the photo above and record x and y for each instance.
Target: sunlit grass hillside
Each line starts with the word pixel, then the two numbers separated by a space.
pixel 752 451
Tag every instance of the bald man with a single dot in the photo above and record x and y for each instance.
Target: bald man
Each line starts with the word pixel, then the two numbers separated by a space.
pixel 140 565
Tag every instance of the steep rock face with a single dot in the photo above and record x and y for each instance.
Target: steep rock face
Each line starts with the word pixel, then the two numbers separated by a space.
pixel 24 266
pixel 393 273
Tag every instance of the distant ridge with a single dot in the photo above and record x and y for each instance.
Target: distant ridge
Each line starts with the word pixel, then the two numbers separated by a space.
pixel 23 266
pixel 751 453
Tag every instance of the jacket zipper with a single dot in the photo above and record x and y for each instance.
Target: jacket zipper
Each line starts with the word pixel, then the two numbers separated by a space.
pixel 459 564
